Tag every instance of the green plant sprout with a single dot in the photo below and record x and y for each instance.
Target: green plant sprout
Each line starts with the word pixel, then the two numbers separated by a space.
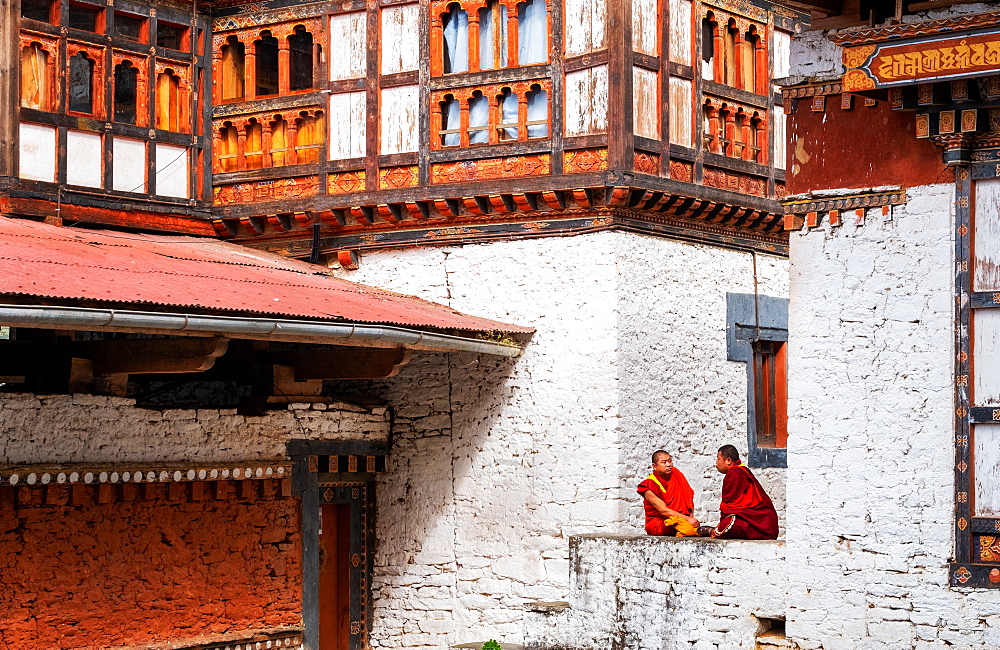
pixel 491 645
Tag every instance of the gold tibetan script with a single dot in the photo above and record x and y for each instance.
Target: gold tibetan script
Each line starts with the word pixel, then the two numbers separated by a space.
pixel 884 65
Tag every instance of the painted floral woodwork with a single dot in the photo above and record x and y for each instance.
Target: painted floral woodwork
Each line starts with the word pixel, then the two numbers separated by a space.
pixel 283 188
pixel 474 170
pixel 586 160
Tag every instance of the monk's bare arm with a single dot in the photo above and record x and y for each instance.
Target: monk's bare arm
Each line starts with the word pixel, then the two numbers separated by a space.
pixel 662 508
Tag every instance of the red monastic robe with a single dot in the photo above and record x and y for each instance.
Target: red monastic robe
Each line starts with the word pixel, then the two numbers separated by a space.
pixel 745 499
pixel 675 492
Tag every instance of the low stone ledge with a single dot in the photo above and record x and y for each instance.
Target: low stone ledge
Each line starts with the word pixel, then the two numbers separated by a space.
pixel 640 591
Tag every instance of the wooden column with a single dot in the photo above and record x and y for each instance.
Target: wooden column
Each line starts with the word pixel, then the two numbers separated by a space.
pixel 241 147
pixel 512 38
pixel 10 77
pixel 463 120
pixel 249 71
pixel 284 67
pixel 474 63
pixel 621 143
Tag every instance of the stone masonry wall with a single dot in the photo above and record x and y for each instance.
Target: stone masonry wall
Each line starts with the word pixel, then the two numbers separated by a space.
pixel 496 463
pixel 151 565
pixel 97 429
pixel 871 448
pixel 663 593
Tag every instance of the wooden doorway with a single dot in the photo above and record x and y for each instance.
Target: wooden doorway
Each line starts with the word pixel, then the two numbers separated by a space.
pixel 334 576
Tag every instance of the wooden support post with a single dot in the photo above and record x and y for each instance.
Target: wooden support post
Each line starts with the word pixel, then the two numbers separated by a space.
pixel 10 99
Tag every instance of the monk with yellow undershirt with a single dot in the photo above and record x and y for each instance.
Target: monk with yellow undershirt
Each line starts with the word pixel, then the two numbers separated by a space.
pixel 668 499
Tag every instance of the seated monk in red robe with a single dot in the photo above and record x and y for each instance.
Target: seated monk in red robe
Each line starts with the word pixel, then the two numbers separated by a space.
pixel 668 499
pixel 747 511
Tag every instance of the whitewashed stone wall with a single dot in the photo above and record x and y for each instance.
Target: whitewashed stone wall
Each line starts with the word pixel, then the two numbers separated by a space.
pixel 663 593
pixel 495 464
pixel 871 449
pixel 97 429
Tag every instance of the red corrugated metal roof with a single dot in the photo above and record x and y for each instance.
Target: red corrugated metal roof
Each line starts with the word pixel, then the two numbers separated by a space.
pixel 190 272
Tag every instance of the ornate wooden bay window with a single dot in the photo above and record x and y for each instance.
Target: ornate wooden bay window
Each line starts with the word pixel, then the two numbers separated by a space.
pixel 470 35
pixel 273 140
pixel 106 97
pixel 276 60
pixel 735 131
pixel 734 52
pixel 491 114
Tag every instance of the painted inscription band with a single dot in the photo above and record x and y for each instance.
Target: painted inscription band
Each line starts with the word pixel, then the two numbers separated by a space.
pixel 884 65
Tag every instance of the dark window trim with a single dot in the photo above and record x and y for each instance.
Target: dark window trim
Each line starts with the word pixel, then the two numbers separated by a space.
pixel 741 329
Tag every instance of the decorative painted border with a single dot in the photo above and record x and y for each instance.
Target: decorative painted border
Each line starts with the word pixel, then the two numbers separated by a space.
pixel 287 640
pixel 38 475
pixel 810 213
pixel 910 30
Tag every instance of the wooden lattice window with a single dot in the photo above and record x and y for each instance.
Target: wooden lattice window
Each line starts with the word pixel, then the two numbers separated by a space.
pixel 266 73
pixel 170 102
pixel 81 83
pixel 126 92
pixel 729 54
pixel 493 36
pixel 279 150
pixel 131 27
pixel 538 113
pixel 300 59
pixel 455 28
pixel 708 31
pixel 507 126
pixel 36 84
pixel 451 122
pixel 770 393
pixel 233 69
pixel 228 156
pixel 40 10
pixel 532 32
pixel 86 18
pixel 479 118
pixel 173 37
pixel 254 148
pixel 309 137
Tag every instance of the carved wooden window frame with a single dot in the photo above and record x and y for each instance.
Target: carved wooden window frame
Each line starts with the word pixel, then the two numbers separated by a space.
pixel 51 48
pixel 742 28
pixel 95 54
pixel 492 92
pixel 730 131
pixel 248 37
pixel 977 538
pixel 439 8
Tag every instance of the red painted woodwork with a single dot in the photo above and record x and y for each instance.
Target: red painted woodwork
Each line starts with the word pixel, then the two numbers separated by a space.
pixel 334 585
pixel 119 569
pixel 125 218
pixel 825 152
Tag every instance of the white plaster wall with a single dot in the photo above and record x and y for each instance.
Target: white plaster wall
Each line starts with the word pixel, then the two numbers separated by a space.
pixel 496 463
pixel 663 593
pixel 871 449
pixel 42 429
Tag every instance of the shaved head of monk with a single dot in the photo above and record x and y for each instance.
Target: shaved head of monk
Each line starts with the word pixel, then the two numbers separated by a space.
pixel 727 457
pixel 663 464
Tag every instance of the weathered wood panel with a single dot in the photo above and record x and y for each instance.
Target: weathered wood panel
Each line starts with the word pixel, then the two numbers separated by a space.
pixel 399 111
pixel 400 38
pixel 586 101
pixel 172 165
pixel 679 105
pixel 645 26
pixel 986 446
pixel 782 43
pixel 986 262
pixel 129 165
pixel 84 153
pixel 347 125
pixel 37 152
pixel 779 123
pixel 347 46
pixel 646 103
pixel 586 26
pixel 680 31
pixel 986 357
